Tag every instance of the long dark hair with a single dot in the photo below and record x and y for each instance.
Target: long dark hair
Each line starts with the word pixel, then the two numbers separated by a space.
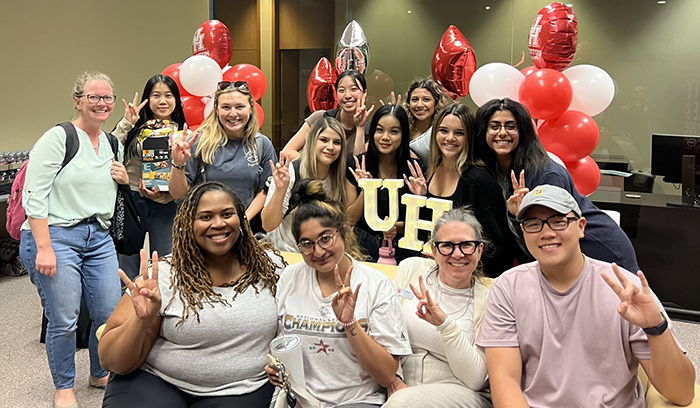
pixel 529 154
pixel 146 114
pixel 356 75
pixel 403 154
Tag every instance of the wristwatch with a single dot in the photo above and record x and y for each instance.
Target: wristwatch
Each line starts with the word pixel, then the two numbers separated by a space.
pixel 657 330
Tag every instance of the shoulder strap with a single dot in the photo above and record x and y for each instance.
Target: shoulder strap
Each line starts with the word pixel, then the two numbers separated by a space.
pixel 72 143
pixel 114 143
pixel 259 146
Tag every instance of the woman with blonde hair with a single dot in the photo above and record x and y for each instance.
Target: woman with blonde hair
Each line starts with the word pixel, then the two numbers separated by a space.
pixel 324 160
pixel 230 150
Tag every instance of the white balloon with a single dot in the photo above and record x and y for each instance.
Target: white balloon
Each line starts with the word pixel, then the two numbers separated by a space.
pixel 208 105
pixel 593 89
pixel 495 81
pixel 200 75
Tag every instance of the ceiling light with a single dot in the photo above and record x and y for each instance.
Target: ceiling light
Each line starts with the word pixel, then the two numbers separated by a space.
pixel 488 7
pixel 409 11
pixel 661 2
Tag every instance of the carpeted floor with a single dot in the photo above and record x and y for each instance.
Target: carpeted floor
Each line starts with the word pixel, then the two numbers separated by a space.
pixel 25 380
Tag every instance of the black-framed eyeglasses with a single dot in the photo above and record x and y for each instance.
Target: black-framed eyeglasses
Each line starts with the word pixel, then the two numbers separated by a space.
pixel 555 222
pixel 510 127
pixel 325 241
pixel 94 99
pixel 242 85
pixel 446 248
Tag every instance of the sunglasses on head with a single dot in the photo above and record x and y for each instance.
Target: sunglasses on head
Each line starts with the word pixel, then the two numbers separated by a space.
pixel 224 85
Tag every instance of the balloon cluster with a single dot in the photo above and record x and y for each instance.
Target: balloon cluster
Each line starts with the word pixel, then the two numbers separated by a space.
pixel 564 100
pixel 198 76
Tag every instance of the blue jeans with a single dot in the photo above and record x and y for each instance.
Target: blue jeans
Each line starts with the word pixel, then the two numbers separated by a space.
pixel 157 219
pixel 86 265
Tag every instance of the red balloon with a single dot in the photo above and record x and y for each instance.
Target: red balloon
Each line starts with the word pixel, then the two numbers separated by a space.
pixel 260 113
pixel 454 63
pixel 546 93
pixel 320 90
pixel 553 37
pixel 193 107
pixel 212 39
pixel 173 71
pixel 528 70
pixel 379 84
pixel 257 83
pixel 571 136
pixel 586 175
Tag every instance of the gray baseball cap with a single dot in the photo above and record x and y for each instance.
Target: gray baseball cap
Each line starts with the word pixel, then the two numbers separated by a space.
pixel 549 196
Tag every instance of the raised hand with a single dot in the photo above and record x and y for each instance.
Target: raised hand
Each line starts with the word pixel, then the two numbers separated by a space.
pixel 118 172
pixel 280 173
pixel 344 301
pixel 362 113
pixel 181 149
pixel 360 172
pixel 416 183
pixel 132 109
pixel 394 99
pixel 519 191
pixel 145 294
pixel 149 193
pixel 428 309
pixel 637 305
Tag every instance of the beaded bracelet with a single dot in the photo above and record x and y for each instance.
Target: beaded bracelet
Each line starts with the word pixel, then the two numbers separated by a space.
pixel 348 324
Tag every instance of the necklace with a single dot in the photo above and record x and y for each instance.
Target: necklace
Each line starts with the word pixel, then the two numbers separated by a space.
pixel 231 281
pixel 439 296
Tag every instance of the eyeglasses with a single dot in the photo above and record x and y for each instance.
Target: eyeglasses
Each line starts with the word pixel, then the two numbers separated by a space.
pixel 555 222
pixel 447 248
pixel 94 99
pixel 325 241
pixel 510 127
pixel 242 85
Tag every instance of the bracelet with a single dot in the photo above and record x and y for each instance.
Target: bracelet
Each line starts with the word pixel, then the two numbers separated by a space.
pixel 348 324
pixel 177 166
pixel 657 330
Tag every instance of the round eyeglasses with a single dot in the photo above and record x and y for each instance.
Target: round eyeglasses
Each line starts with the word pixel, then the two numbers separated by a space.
pixel 325 241
pixel 446 248
pixel 555 222
pixel 94 99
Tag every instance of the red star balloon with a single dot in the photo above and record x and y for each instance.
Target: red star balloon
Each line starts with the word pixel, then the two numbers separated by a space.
pixel 320 90
pixel 454 63
pixel 553 37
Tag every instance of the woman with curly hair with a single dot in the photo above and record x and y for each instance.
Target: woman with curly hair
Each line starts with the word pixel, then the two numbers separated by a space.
pixel 347 314
pixel 425 98
pixel 196 329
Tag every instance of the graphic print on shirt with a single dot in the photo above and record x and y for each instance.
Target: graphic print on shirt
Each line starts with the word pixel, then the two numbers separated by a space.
pixel 313 326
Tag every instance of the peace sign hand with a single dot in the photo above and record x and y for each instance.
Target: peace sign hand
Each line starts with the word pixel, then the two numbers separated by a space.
pixel 519 192
pixel 145 294
pixel 416 183
pixel 428 309
pixel 360 172
pixel 181 149
pixel 362 113
pixel 280 173
pixel 638 306
pixel 344 301
pixel 132 109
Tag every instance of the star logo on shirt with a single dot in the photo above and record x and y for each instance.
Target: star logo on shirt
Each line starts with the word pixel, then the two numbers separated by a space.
pixel 322 347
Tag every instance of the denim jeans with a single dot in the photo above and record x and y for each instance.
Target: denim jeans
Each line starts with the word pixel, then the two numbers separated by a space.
pixel 157 219
pixel 86 265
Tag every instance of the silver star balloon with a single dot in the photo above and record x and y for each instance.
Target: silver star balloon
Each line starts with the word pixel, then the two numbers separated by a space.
pixel 353 49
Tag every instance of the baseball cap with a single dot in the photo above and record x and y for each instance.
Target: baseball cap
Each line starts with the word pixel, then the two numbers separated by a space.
pixel 549 196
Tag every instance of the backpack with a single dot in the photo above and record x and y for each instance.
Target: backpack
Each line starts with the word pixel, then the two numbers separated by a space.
pixel 15 211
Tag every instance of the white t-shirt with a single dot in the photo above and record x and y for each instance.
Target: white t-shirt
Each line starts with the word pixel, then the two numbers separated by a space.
pixel 333 372
pixel 282 237
pixel 577 350
pixel 421 145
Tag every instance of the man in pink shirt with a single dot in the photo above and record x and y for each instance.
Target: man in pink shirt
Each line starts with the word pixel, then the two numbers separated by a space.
pixel 571 331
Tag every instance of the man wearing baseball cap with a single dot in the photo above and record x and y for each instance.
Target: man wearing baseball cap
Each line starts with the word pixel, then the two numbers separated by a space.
pixel 571 331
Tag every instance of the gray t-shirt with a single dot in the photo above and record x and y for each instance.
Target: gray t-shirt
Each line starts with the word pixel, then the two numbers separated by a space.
pixel 577 350
pixel 237 166
pixel 222 354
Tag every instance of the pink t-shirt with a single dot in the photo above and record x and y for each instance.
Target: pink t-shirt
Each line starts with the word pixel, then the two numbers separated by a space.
pixel 577 350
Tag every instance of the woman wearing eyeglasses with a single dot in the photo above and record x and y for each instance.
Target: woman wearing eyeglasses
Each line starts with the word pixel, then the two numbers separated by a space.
pixel 230 150
pixel 443 316
pixel 347 314
pixel 507 143
pixel 454 174
pixel 66 246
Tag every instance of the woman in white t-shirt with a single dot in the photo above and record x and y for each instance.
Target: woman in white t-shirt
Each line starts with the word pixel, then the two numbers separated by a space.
pixel 347 314
pixel 443 316
pixel 323 160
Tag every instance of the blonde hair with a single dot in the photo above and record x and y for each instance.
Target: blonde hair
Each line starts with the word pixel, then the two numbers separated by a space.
pixel 466 156
pixel 308 168
pixel 84 78
pixel 212 131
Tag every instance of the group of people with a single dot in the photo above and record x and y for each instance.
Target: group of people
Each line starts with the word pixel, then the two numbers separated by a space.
pixel 194 325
